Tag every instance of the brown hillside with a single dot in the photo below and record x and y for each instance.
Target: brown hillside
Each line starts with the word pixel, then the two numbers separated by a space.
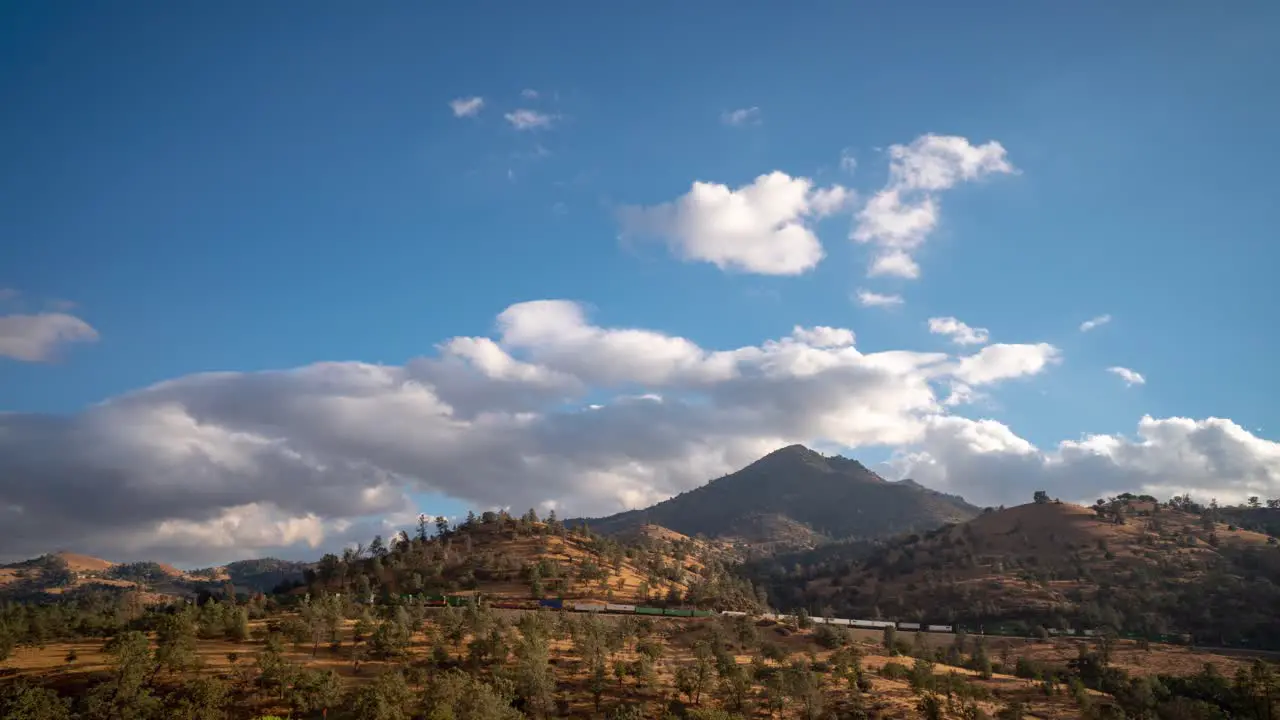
pixel 1133 566
pixel 506 557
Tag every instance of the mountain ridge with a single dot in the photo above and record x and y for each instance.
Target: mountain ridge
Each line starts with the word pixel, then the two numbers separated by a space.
pixel 795 497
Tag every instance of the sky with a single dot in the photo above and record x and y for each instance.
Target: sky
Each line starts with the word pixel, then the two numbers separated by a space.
pixel 278 277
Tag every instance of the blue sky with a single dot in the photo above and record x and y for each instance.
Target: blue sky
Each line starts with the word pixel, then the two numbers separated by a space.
pixel 243 187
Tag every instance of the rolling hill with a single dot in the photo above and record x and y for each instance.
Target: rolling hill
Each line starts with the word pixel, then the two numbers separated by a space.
pixel 1132 564
pixel 796 498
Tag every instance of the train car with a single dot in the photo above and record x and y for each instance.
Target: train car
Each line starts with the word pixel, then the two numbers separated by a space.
pixel 938 628
pixel 678 612
pixel 908 626
pixel 648 611
pixel 818 620
pixel 733 613
pixel 616 607
pixel 552 604
pixel 589 607
pixel 515 604
pixel 845 622
pixel 873 624
pixel 703 613
pixel 769 616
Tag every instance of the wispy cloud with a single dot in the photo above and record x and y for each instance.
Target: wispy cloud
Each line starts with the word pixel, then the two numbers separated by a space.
pixel 960 333
pixel 467 107
pixel 1099 321
pixel 529 94
pixel 1130 377
pixel 741 116
pixel 525 119
pixel 848 163
pixel 867 298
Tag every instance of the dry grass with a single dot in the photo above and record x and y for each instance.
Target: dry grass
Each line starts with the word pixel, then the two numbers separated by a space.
pixel 891 698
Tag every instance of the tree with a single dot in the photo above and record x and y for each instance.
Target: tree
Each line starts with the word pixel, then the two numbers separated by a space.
pixel 201 698
pixel 1040 497
pixel 387 698
pixel 315 691
pixel 21 701
pixel 125 695
pixel 1253 501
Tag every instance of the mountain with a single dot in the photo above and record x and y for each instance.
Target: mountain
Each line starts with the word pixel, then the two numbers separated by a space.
pixel 795 497
pixel 1132 564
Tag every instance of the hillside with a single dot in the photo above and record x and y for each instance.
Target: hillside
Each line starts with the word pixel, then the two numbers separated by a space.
pixel 501 556
pixel 1131 564
pixel 795 498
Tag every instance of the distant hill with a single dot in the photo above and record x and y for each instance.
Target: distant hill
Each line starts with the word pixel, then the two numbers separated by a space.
pixel 66 574
pixel 1131 564
pixel 796 498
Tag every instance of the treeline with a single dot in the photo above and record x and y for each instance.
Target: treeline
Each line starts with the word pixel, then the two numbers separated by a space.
pixel 104 614
pixel 457 558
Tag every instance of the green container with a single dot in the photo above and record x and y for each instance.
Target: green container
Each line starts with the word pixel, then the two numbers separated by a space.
pixel 702 613
pixel 648 611
pixel 677 612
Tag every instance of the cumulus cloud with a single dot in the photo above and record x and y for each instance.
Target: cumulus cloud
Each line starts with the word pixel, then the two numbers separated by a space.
pixel 1130 377
pixel 551 409
pixel 524 119
pixel 466 106
pixel 899 218
pixel 741 116
pixel 960 333
pixel 764 227
pixel 1092 323
pixel 989 464
pixel 867 298
pixel 38 338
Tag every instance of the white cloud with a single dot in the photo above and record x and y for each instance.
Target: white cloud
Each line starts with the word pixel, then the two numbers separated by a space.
pixel 524 119
pixel 37 338
pixel 867 298
pixel 529 94
pixel 1130 377
pixel 764 227
pixel 899 218
pixel 8 293
pixel 466 106
pixel 232 464
pixel 741 116
pixel 1090 324
pixel 989 464
pixel 960 333
pixel 994 363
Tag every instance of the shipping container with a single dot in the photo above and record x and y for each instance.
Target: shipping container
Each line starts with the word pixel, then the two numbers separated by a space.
pixel 678 612
pixel 938 628
pixel 733 613
pixel 908 626
pixel 841 621
pixel 615 607
pixel 648 611
pixel 555 604
pixel 589 607
pixel 703 613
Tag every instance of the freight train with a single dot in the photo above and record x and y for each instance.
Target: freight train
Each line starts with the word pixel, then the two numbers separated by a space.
pixel 626 609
